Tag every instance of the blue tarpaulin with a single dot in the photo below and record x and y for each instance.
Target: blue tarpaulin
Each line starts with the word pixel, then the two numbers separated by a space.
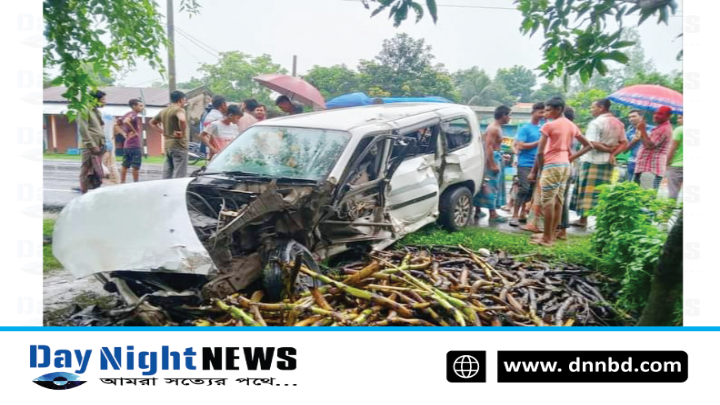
pixel 360 99
pixel 389 100
pixel 349 100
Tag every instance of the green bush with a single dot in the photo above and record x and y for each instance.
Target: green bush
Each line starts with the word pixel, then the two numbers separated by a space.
pixel 627 240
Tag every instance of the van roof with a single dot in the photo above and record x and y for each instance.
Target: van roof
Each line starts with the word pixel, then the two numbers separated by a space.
pixel 345 119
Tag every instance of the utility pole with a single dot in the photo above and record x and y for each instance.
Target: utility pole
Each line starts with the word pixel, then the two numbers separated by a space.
pixel 294 65
pixel 171 45
pixel 144 133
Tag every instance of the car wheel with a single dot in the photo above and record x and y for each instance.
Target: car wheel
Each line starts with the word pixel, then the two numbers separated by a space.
pixel 280 275
pixel 456 209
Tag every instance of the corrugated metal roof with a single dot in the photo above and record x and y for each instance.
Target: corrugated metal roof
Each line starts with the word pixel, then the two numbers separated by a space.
pixel 115 110
pixel 117 95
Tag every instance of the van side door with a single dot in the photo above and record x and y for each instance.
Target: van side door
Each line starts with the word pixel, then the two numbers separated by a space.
pixel 413 195
pixel 463 157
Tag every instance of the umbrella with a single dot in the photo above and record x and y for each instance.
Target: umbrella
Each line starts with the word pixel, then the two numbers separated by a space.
pixel 293 87
pixel 649 97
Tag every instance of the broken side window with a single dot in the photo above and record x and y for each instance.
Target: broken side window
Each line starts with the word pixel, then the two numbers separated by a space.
pixel 369 165
pixel 457 134
pixel 425 142
pixel 399 146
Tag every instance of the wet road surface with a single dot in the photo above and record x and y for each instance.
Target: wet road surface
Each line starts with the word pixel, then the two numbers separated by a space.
pixel 60 177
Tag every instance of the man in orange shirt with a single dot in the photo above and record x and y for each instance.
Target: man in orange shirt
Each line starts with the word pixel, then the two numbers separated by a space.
pixel 554 159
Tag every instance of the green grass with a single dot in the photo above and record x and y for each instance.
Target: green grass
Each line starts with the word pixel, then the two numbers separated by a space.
pixel 575 251
pixel 49 261
pixel 60 317
pixel 62 156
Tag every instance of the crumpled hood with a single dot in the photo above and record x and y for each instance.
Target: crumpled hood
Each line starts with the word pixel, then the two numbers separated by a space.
pixel 141 226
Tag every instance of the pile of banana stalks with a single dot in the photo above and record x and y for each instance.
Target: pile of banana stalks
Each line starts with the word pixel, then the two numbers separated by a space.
pixel 438 286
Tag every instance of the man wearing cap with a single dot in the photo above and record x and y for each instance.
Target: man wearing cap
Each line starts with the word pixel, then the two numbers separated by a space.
pixel 652 157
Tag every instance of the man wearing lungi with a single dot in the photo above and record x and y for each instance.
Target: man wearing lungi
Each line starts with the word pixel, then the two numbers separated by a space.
pixel 606 135
pixel 92 139
pixel 554 159
pixel 488 195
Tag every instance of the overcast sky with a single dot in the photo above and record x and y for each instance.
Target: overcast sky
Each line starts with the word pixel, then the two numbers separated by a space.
pixel 327 32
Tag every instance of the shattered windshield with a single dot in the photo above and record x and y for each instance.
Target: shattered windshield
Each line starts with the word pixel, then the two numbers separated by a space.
pixel 301 153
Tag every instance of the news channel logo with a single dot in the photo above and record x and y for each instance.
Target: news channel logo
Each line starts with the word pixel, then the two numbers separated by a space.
pixel 465 366
pixel 59 381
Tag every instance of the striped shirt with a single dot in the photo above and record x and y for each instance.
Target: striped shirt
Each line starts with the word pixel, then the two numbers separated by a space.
pixel 655 160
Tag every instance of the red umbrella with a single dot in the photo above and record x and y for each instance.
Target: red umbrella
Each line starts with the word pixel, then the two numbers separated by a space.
pixel 293 87
pixel 649 97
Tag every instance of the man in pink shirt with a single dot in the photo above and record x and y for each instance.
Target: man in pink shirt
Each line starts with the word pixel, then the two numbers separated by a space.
pixel 248 119
pixel 554 159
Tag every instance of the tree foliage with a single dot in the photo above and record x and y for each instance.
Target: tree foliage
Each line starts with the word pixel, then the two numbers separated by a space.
pixel 400 9
pixel 546 92
pixel 581 102
pixel 627 239
pixel 191 84
pixel 519 82
pixel 404 68
pixel 476 87
pixel 47 80
pixel 673 80
pixel 578 36
pixel 333 81
pixel 232 76
pixel 639 70
pixel 637 62
pixel 92 39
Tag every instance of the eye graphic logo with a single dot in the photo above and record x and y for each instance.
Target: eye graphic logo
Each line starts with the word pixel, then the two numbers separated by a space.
pixel 59 381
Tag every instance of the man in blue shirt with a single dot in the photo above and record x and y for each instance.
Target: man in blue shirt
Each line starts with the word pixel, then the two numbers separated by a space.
pixel 635 117
pixel 527 142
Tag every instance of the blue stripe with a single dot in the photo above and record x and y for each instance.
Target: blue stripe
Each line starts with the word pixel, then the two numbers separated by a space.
pixel 638 98
pixel 641 106
pixel 359 329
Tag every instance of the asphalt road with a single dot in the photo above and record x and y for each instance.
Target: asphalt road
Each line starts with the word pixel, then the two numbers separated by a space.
pixel 61 176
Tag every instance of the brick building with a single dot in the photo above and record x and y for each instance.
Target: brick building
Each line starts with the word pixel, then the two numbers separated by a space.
pixel 62 136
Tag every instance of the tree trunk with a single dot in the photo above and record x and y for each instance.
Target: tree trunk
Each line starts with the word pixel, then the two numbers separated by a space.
pixel 667 284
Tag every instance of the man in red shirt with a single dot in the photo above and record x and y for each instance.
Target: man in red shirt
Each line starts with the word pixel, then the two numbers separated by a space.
pixel 553 158
pixel 131 126
pixel 652 156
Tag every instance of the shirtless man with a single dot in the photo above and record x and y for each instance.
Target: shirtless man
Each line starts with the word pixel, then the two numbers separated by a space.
pixel 487 196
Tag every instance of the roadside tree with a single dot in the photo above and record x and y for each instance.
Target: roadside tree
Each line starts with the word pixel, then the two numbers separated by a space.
pixel 89 39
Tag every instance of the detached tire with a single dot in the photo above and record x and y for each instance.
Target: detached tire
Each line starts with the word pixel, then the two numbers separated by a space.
pixel 455 209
